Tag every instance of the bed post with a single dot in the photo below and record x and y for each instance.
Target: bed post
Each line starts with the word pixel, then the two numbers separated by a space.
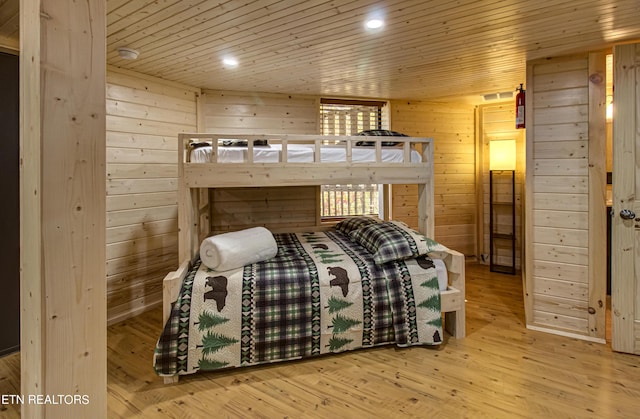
pixel 454 319
pixel 183 205
pixel 454 305
pixel 188 216
pixel 170 291
pixel 426 208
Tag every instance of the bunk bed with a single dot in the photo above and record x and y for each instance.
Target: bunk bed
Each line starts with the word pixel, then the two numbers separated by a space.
pixel 333 251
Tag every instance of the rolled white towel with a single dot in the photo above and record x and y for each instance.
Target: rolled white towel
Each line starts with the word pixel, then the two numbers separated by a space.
pixel 238 248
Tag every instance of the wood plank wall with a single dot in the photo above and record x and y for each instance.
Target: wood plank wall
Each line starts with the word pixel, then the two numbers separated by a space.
pixel 144 116
pixel 565 239
pixel 497 122
pixel 452 126
pixel 261 113
pixel 274 208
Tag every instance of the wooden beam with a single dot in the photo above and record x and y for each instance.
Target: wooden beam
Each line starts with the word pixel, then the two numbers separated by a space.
pixel 62 176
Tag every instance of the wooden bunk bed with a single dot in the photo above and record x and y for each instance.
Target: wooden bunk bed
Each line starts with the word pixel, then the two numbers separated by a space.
pixel 303 160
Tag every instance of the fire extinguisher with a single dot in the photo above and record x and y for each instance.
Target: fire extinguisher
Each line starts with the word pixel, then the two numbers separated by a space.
pixel 520 107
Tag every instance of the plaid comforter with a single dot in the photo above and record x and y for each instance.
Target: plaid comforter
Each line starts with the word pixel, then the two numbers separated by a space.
pixel 322 293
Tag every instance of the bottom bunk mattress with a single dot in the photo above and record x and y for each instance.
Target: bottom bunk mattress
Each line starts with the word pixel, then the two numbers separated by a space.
pixel 321 293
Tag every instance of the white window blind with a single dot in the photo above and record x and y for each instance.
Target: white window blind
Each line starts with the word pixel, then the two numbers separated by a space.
pixel 349 117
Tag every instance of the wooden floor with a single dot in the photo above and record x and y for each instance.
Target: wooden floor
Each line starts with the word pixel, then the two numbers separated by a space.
pixel 499 370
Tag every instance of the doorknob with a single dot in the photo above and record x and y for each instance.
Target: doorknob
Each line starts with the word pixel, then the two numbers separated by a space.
pixel 627 214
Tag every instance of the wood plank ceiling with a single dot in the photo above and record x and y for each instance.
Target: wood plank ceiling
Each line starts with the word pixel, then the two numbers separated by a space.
pixel 438 50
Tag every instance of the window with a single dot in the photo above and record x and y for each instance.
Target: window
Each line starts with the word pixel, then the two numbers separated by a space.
pixel 349 117
pixel 344 200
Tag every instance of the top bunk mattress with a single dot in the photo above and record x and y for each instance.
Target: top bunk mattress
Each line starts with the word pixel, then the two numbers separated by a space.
pixel 298 153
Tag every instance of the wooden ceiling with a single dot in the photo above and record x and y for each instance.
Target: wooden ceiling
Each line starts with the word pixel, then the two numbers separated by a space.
pixel 9 24
pixel 437 50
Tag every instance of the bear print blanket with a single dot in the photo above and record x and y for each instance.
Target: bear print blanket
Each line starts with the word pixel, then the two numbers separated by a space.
pixel 321 293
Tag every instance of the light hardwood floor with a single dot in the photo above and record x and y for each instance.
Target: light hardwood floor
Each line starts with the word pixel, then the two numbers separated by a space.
pixel 500 369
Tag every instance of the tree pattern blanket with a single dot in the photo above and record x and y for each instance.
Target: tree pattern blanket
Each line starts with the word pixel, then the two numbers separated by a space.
pixel 322 293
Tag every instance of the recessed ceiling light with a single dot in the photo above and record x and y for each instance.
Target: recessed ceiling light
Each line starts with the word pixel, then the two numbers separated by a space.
pixel 229 61
pixel 374 23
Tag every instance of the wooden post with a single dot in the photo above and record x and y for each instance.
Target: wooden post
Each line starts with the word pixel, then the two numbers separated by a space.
pixel 597 195
pixel 426 223
pixel 62 181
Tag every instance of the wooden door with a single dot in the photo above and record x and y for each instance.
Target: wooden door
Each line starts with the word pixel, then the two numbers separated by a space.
pixel 625 223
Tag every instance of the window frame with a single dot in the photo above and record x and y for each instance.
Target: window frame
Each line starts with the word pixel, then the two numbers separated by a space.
pixel 356 196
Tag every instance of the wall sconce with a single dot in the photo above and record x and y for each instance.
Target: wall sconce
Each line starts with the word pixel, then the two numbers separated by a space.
pixel 502 155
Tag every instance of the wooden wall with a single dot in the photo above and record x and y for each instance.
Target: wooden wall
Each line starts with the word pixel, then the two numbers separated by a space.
pixel 144 116
pixel 497 122
pixel 274 208
pixel 261 113
pixel 565 210
pixel 452 127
